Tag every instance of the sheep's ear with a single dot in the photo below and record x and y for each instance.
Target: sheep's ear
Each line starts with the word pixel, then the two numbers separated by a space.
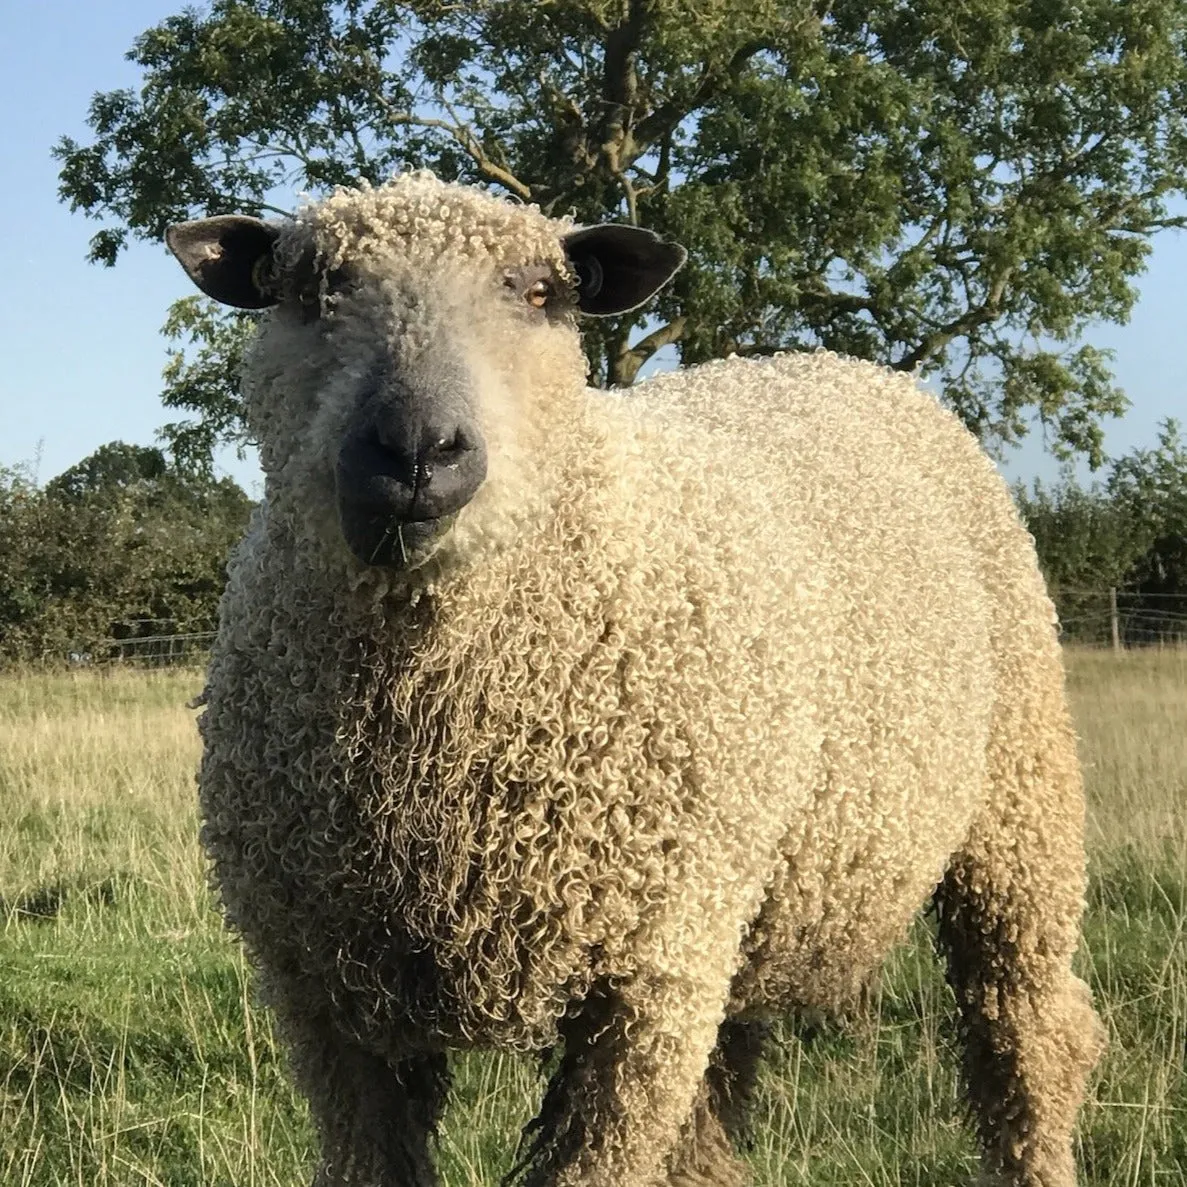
pixel 227 257
pixel 619 267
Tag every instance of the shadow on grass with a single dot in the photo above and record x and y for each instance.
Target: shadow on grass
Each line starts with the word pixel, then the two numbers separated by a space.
pixel 47 902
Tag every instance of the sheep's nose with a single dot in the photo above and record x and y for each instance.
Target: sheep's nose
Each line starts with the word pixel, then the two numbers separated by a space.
pixel 411 469
pixel 418 453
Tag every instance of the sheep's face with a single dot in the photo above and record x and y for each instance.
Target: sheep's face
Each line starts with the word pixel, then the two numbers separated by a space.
pixel 420 353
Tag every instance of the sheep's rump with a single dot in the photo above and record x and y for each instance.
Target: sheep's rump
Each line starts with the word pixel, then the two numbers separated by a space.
pixel 744 673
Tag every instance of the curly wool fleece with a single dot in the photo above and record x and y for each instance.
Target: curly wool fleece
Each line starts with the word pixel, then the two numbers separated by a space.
pixel 708 690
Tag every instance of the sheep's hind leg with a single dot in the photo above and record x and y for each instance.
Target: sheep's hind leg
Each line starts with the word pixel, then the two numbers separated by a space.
pixel 617 1110
pixel 1009 912
pixel 375 1119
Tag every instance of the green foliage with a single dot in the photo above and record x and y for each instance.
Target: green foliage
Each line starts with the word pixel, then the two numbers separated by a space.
pixel 109 473
pixel 21 521
pixel 206 380
pixel 963 188
pixel 1151 486
pixel 1085 539
pixel 1129 533
pixel 120 545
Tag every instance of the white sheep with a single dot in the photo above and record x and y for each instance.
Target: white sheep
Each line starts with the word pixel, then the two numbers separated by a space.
pixel 545 716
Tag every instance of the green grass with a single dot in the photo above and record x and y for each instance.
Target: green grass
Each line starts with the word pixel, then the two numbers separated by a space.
pixel 131 1052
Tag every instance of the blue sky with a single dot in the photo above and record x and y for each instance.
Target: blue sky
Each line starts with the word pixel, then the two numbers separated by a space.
pixel 80 344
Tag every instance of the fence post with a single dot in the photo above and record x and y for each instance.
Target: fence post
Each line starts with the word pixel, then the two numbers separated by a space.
pixel 1113 618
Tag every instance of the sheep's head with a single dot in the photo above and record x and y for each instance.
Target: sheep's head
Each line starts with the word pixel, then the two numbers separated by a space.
pixel 419 350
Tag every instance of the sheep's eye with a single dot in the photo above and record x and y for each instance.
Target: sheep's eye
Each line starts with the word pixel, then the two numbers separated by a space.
pixel 533 284
pixel 310 305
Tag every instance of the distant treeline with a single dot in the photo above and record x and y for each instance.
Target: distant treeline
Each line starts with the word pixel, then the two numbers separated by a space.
pixel 120 545
pixel 1126 533
pixel 127 547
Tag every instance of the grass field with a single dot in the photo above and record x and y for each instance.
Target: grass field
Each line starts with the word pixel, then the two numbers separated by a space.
pixel 131 1053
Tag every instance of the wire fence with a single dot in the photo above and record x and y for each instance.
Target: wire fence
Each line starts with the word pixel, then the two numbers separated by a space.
pixel 1120 618
pixel 1092 617
pixel 145 643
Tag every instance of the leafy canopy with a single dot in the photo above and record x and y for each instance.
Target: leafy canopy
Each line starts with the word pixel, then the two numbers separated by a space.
pixel 959 187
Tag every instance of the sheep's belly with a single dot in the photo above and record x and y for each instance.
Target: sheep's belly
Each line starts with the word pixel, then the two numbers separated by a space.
pixel 843 899
pixel 398 976
pixel 413 999
pixel 819 956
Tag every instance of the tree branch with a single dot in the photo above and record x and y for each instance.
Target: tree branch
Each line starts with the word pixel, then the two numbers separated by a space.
pixel 748 350
pixel 469 143
pixel 837 303
pixel 665 118
pixel 620 85
pixel 988 311
pixel 631 358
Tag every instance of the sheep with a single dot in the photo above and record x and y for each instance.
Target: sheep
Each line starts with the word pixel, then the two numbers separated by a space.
pixel 546 718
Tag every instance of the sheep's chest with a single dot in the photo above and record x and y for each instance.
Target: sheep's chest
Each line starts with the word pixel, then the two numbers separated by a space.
pixel 459 903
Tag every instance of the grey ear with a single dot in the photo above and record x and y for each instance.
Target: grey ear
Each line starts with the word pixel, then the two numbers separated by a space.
pixel 619 267
pixel 227 257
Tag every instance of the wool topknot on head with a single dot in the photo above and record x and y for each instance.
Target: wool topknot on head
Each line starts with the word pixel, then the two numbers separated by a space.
pixel 545 718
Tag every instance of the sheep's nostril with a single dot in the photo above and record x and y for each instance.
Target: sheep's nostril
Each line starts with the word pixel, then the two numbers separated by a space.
pixel 413 456
pixel 397 471
pixel 447 449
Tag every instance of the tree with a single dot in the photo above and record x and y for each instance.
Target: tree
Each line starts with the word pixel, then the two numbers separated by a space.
pixel 1085 539
pixel 1150 486
pixel 1129 533
pixel 205 381
pixel 120 545
pixel 110 471
pixel 21 591
pixel 961 188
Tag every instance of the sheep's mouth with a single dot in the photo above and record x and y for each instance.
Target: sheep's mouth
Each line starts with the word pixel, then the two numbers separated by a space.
pixel 376 538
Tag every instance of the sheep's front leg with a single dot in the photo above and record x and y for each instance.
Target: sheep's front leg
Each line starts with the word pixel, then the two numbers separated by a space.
pixel 375 1118
pixel 377 1132
pixel 708 1154
pixel 615 1108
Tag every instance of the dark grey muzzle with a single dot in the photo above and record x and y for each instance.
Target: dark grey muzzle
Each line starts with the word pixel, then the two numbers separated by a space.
pixel 401 478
